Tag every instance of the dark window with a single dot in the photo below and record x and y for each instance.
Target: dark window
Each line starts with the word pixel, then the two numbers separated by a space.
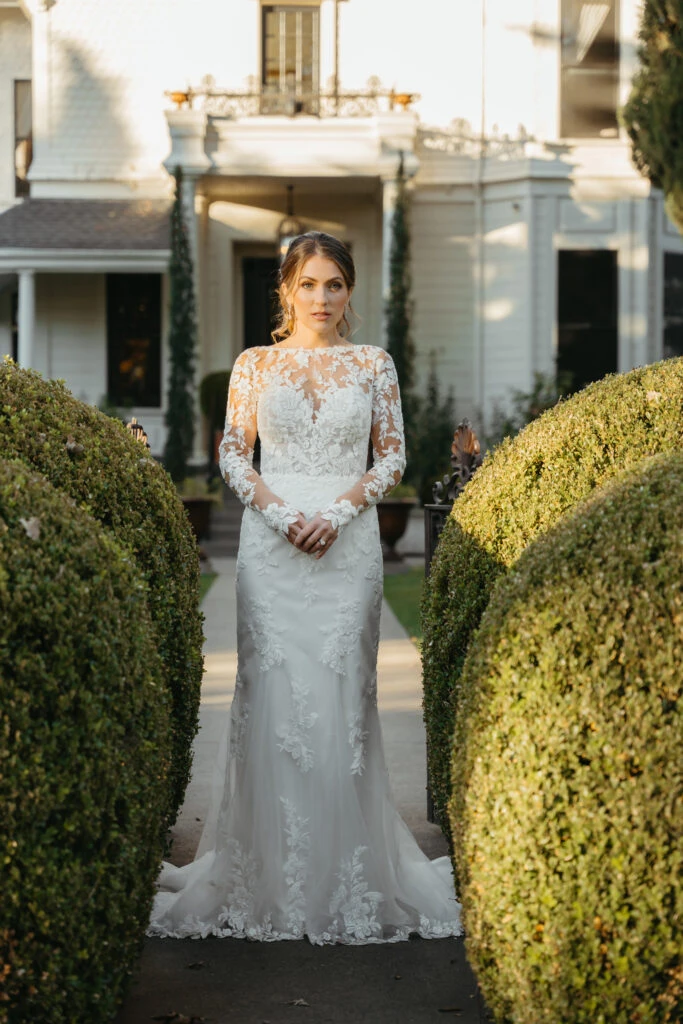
pixel 14 325
pixel 134 339
pixel 673 304
pixel 586 315
pixel 260 298
pixel 23 136
pixel 590 69
pixel 290 62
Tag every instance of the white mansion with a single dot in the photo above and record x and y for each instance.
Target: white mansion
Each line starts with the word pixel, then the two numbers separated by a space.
pixel 536 245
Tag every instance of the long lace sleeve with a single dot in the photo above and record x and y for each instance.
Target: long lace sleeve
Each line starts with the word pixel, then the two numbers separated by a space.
pixel 236 450
pixel 388 448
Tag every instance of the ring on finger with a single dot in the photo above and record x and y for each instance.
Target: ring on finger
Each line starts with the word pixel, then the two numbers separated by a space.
pixel 322 542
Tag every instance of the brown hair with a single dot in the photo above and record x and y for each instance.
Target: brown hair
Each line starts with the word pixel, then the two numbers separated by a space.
pixel 301 248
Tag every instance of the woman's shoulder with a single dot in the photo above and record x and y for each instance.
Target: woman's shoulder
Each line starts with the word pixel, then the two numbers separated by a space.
pixel 374 352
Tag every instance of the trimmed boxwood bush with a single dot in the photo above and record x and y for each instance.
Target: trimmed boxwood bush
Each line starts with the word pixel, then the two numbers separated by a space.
pixel 567 770
pixel 521 490
pixel 84 751
pixel 94 459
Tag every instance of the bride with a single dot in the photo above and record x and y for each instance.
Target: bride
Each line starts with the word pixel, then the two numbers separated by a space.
pixel 304 838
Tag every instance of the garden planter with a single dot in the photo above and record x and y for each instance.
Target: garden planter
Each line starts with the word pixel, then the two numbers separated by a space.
pixel 393 514
pixel 199 512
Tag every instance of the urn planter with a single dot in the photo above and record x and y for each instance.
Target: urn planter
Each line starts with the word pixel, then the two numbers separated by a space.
pixel 393 515
pixel 199 512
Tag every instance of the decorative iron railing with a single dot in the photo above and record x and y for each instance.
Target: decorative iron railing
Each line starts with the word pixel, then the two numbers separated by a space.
pixel 253 102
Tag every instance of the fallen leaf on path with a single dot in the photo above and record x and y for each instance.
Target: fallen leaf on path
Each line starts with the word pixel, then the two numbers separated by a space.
pixel 298 1002
pixel 178 1018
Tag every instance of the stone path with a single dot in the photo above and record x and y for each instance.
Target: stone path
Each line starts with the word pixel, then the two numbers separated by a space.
pixel 240 982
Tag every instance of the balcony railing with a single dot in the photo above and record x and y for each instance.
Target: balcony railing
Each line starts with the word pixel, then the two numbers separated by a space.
pixel 254 103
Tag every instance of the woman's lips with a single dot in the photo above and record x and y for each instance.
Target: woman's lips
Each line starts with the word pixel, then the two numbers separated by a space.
pixel 322 316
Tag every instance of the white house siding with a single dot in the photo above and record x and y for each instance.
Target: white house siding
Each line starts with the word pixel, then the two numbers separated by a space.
pixel 15 63
pixel 443 290
pixel 506 309
pixel 70 336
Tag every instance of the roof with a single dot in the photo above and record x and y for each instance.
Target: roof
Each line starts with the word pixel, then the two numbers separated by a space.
pixel 107 224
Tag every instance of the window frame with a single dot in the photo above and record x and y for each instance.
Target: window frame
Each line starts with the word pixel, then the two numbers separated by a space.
pixel 609 133
pixel 22 186
pixel 291 105
pixel 154 398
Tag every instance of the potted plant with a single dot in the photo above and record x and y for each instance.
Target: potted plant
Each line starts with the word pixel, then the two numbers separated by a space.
pixel 393 513
pixel 213 393
pixel 199 496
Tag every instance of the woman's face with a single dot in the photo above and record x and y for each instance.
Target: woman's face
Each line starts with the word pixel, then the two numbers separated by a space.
pixel 320 295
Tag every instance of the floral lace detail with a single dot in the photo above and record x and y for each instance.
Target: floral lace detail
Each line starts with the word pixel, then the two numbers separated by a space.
pixel 294 734
pixel 306 570
pixel 340 513
pixel 343 633
pixel 357 906
pixel 239 716
pixel 260 624
pixel 357 737
pixel 298 844
pixel 243 876
pixel 321 405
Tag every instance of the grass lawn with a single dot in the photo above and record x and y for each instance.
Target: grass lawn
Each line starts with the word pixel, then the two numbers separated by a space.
pixel 205 581
pixel 403 591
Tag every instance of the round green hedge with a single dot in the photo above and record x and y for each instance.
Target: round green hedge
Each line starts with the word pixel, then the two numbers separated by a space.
pixel 84 754
pixel 567 770
pixel 521 490
pixel 94 459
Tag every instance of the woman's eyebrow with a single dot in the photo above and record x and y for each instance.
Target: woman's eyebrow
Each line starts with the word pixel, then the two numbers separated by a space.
pixel 307 277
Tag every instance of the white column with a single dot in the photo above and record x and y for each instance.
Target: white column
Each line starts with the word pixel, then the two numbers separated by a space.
pixel 389 196
pixel 26 317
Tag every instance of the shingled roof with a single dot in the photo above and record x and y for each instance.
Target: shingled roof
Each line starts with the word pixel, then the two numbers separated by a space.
pixel 133 224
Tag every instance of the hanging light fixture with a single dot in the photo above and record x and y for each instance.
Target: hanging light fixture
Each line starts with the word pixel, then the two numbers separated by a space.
pixel 290 226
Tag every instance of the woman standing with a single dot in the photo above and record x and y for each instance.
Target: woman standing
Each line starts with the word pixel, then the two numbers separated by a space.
pixel 305 839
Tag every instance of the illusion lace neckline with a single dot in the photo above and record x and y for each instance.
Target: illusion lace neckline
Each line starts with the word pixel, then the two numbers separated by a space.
pixel 349 347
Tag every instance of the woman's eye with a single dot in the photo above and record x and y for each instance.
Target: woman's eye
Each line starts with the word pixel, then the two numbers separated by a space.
pixel 335 286
pixel 307 284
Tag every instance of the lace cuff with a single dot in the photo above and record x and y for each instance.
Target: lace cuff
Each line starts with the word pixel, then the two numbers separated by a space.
pixel 340 513
pixel 279 517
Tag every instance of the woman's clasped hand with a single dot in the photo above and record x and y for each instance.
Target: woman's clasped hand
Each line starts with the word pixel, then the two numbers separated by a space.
pixel 315 535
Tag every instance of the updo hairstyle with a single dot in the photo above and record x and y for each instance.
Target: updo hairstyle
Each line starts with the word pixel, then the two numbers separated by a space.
pixel 301 248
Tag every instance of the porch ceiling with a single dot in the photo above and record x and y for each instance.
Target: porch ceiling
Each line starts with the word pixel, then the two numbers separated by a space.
pixel 269 191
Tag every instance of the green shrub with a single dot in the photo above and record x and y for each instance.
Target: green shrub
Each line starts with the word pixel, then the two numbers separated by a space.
pixel 521 490
pixel 567 769
pixel 84 751
pixel 94 459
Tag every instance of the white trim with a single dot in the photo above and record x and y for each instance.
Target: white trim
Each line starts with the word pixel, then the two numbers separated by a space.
pixel 84 261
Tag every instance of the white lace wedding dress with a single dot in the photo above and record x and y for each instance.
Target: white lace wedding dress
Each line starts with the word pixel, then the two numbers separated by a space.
pixel 304 838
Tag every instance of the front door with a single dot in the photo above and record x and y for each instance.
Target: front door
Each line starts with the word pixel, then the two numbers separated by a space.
pixel 260 298
pixel 586 315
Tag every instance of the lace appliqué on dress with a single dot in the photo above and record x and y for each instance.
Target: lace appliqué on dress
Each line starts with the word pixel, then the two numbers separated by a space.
pixel 261 627
pixel 343 634
pixel 294 734
pixel 298 844
pixel 357 906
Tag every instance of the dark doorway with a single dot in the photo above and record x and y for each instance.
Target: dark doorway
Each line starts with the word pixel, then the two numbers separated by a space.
pixel 673 304
pixel 260 298
pixel 587 309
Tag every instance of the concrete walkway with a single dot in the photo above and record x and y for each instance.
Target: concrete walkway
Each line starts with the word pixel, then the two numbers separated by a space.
pixel 240 982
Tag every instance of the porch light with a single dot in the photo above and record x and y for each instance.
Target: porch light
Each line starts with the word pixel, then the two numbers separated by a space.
pixel 290 226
